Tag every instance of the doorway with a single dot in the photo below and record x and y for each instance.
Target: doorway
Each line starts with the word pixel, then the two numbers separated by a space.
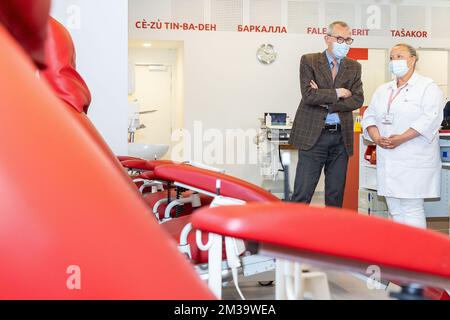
pixel 154 94
pixel 156 91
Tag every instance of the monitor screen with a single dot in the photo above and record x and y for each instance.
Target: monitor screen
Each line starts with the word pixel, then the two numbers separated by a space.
pixel 278 119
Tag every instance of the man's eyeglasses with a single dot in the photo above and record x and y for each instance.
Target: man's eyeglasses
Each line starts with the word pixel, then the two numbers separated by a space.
pixel 339 40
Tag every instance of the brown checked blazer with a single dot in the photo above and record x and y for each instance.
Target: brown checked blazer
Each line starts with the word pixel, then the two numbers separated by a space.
pixel 311 114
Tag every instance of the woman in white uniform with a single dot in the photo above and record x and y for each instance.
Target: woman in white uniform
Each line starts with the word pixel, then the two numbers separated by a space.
pixel 403 119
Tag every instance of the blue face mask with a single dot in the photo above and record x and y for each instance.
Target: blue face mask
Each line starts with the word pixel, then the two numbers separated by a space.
pixel 399 68
pixel 340 50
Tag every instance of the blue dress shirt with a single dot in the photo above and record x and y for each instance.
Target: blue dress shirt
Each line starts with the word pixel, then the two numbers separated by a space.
pixel 332 118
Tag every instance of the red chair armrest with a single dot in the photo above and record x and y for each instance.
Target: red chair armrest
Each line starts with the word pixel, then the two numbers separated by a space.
pixel 206 180
pixel 334 233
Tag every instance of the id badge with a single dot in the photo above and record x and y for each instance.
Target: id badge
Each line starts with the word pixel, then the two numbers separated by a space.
pixel 388 118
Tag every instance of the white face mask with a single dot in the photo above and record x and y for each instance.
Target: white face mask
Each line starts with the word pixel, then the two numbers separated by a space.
pixel 399 68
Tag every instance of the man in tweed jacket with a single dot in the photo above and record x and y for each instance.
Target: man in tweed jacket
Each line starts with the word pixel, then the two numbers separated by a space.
pixel 331 90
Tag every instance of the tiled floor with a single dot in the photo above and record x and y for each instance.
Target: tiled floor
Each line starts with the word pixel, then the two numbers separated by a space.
pixel 342 286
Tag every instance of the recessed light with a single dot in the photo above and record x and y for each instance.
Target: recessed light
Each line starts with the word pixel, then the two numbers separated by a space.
pixel 147 45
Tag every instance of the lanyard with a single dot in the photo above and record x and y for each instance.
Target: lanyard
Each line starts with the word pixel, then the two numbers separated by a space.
pixel 392 96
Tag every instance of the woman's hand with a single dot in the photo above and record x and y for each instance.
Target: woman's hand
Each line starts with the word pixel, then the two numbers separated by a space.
pixel 382 142
pixel 395 140
pixel 398 139
pixel 376 137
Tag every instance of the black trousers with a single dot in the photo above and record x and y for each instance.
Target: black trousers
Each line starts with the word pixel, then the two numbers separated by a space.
pixel 328 152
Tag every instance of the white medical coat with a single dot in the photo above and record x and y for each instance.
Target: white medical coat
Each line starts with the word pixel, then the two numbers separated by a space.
pixel 412 170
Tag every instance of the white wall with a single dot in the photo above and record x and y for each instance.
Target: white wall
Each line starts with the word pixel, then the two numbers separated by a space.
pixel 99 30
pixel 432 63
pixel 226 87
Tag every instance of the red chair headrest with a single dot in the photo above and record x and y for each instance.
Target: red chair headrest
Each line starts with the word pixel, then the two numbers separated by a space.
pixel 27 20
pixel 61 71
pixel 73 207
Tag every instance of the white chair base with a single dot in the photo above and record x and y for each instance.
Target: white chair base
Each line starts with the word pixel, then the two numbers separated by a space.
pixel 293 283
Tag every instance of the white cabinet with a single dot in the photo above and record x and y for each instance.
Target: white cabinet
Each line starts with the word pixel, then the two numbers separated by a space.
pixel 367 171
pixel 368 181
